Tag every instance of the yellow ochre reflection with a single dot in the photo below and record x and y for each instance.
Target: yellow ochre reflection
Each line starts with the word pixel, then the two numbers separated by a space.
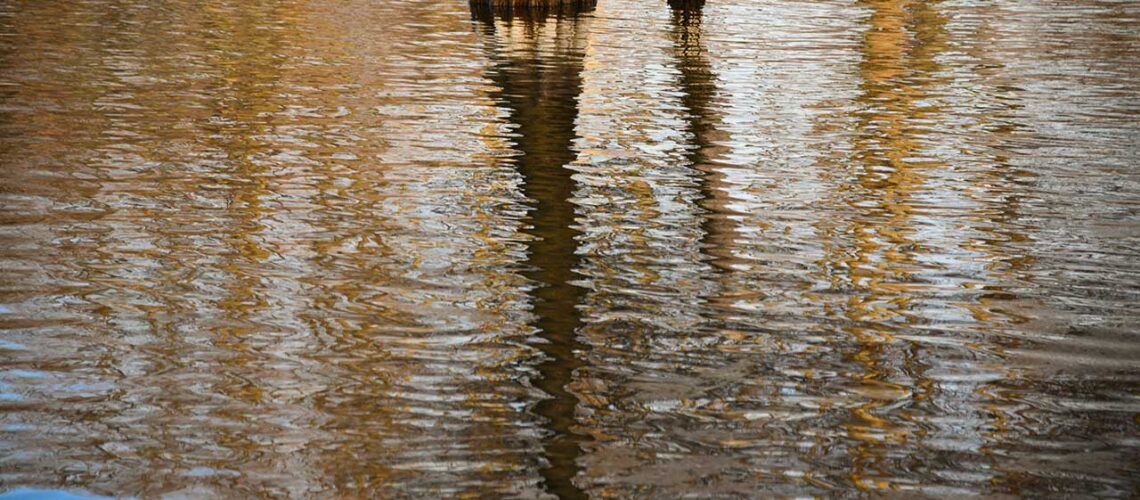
pixel 898 67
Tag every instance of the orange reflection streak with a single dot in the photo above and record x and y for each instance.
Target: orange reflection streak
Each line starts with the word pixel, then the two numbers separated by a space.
pixel 897 67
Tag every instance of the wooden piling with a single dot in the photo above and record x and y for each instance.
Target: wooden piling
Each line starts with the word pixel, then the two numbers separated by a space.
pixel 529 9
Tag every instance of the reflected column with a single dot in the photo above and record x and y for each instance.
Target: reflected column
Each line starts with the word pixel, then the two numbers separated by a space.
pixel 536 58
pixel 881 260
pixel 698 86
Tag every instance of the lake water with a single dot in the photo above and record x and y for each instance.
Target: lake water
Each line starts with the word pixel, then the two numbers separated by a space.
pixel 313 249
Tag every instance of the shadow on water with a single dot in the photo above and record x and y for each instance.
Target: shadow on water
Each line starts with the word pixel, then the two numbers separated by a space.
pixel 537 60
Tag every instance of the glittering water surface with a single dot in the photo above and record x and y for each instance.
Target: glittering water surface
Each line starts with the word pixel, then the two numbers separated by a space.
pixel 352 248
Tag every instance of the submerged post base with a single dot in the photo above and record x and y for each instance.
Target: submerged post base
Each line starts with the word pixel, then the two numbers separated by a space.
pixel 507 9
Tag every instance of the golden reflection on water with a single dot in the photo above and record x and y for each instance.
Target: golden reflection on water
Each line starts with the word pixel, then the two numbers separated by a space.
pixel 735 248
pixel 896 71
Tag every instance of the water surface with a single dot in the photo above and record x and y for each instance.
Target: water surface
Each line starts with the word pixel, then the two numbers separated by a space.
pixel 300 248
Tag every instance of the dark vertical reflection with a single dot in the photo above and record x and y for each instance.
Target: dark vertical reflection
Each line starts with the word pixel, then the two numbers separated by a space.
pixel 698 90
pixel 537 72
pixel 697 79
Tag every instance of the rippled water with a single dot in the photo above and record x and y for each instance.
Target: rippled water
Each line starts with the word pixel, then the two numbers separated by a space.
pixel 765 247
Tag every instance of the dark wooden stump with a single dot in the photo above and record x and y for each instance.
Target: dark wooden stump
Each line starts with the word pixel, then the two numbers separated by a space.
pixel 529 9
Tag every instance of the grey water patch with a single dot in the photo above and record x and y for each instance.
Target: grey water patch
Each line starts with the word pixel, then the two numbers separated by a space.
pixel 12 346
pixel 33 494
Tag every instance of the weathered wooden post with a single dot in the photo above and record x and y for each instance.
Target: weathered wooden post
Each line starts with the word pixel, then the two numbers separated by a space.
pixel 530 9
pixel 528 4
pixel 687 4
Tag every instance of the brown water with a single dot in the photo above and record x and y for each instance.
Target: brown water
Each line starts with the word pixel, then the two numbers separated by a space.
pixel 307 248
